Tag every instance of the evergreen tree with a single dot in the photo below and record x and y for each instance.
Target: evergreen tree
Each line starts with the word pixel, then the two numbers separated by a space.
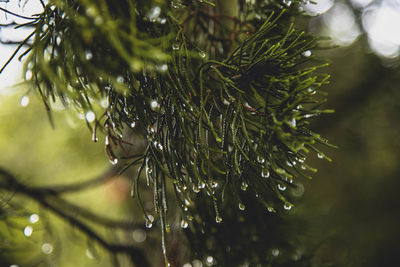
pixel 207 110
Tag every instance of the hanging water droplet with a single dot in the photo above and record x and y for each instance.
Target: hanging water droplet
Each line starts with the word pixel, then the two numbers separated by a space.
pixel 287 2
pixel 184 224
pixel 162 68
pixel 154 13
pixel 281 187
pixel 307 53
pixel 34 218
pixel 185 208
pixel 320 156
pixel 24 101
pixel 270 209
pixel 210 261
pixel 275 252
pixel 202 185
pixel 196 189
pixel 114 161
pixel 218 219
pixel 175 46
pixel 287 206
pixel 244 186
pixel 214 184
pixel 120 79
pixel 139 235
pixel 133 124
pixel 260 159
pixel 28 230
pixel 265 174
pixel 154 104
pixel 28 75
pixel 88 55
pixel 312 91
pixel 149 221
pixel 202 54
pixel 242 206
pixel 187 265
pixel 47 248
pixel 90 116
pixel 292 122
pixel 162 20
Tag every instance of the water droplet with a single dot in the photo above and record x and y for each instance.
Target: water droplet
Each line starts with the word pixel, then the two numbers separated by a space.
pixel 292 122
pixel 214 184
pixel 47 248
pixel 270 209
pixel 218 219
pixel 120 79
pixel 133 124
pixel 24 101
pixel 184 224
pixel 311 90
pixel 88 55
pixel 154 13
pixel 34 218
pixel 265 174
pixel 28 230
pixel 260 160
pixel 202 54
pixel 90 116
pixel 287 206
pixel 320 156
pixel 202 185
pixel 242 206
pixel 196 189
pixel 114 161
pixel 275 252
pixel 281 187
pixel 162 68
pixel 307 53
pixel 28 75
pixel 162 20
pixel 139 235
pixel 210 261
pixel 89 254
pixel 187 265
pixel 14 265
pixel 287 2
pixel 149 221
pixel 154 104
pixel 244 186
pixel 175 46
pixel 176 4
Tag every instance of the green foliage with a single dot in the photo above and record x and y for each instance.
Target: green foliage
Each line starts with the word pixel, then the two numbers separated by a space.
pixel 222 102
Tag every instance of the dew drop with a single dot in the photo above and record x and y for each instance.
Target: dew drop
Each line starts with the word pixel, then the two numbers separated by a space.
pixel 139 235
pixel 270 209
pixel 196 189
pixel 154 104
pixel 162 68
pixel 154 13
pixel 133 124
pixel 28 230
pixel 265 174
pixel 149 221
pixel 175 46
pixel 47 248
pixel 28 75
pixel 184 224
pixel 242 206
pixel 210 261
pixel 275 252
pixel 244 186
pixel 287 206
pixel 281 187
pixel 187 265
pixel 120 79
pixel 202 54
pixel 292 122
pixel 88 55
pixel 24 101
pixel 260 160
pixel 90 116
pixel 320 156
pixel 114 161
pixel 307 53
pixel 218 219
pixel 34 218
pixel 162 20
pixel 287 2
pixel 14 265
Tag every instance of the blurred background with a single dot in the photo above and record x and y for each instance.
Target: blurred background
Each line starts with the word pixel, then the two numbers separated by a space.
pixel 350 207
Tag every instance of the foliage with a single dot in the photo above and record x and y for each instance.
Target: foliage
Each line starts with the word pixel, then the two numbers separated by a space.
pixel 221 103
